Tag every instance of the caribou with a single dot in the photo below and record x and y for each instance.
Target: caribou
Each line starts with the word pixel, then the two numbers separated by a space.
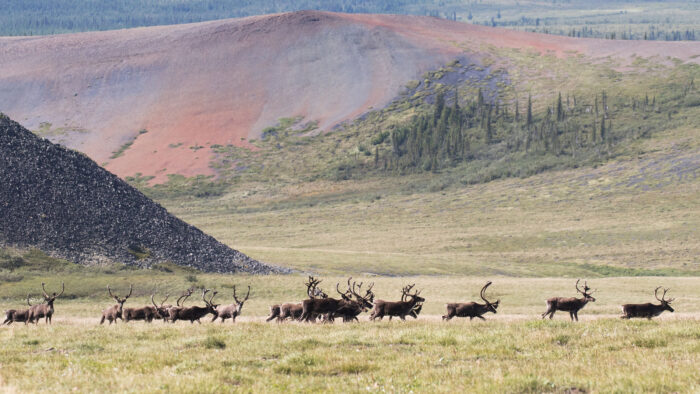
pixel 314 307
pixel 15 315
pixel 350 311
pixel 46 310
pixel 401 308
pixel 648 310
pixel 289 310
pixel 230 311
pixel 172 311
pixel 194 313
pixel 570 304
pixel 293 311
pixel 472 309
pixel 115 312
pixel 161 311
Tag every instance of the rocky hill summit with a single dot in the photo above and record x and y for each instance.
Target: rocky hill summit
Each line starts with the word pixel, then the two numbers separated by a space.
pixel 63 203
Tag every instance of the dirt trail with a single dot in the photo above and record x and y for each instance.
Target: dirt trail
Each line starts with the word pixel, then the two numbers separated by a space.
pixel 504 318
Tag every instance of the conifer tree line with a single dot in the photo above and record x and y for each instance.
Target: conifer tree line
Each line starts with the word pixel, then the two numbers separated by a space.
pixel 456 131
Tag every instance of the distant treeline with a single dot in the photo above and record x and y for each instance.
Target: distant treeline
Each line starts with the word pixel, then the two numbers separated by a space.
pixel 39 17
pixel 652 33
pixel 571 131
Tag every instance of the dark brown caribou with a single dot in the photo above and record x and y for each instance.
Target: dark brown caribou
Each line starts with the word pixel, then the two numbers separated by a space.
pixel 146 313
pixel 293 311
pixel 172 311
pixel 648 310
pixel 472 309
pixel 361 303
pixel 46 310
pixel 231 311
pixel 194 313
pixel 416 311
pixel 114 312
pixel 570 304
pixel 315 307
pixel 161 311
pixel 401 308
pixel 290 310
pixel 17 315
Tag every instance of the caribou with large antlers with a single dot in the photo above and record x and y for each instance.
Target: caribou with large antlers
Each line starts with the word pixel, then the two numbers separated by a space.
pixel 194 313
pixel 472 309
pixel 161 311
pixel 290 310
pixel 231 311
pixel 172 311
pixel 570 304
pixel 401 308
pixel 314 307
pixel 361 303
pixel 46 310
pixel 115 311
pixel 648 310
pixel 17 315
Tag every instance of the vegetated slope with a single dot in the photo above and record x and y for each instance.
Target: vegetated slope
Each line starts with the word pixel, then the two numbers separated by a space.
pixel 156 100
pixel 61 202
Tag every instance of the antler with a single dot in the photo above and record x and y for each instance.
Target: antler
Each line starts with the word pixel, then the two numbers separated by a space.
pixel 663 296
pixel 44 289
pixel 483 291
pixel 63 289
pixel 204 293
pixel 337 288
pixel 164 299
pixel 579 290
pixel 405 291
pixel 131 288
pixel 236 298
pixel 110 293
pixel 28 303
pixel 153 301
pixel 311 289
pixel 184 296
pixel 210 302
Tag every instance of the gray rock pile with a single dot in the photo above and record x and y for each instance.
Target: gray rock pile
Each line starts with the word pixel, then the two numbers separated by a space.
pixel 63 203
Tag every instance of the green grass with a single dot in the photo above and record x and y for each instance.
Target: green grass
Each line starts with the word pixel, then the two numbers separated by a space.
pixel 634 216
pixel 513 351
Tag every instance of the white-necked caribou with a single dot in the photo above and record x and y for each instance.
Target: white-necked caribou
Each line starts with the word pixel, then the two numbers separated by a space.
pixel 114 312
pixel 231 311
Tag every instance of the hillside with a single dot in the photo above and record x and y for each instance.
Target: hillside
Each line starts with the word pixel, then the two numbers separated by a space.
pixel 187 89
pixel 63 203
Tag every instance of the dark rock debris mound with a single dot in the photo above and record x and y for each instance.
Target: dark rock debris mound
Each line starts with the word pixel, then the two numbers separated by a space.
pixel 63 203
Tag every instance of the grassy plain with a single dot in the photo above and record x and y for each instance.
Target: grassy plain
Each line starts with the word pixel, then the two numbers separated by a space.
pixel 514 351
pixel 637 215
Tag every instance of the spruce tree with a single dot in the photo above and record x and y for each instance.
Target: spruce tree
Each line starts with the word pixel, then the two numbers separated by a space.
pixel 560 109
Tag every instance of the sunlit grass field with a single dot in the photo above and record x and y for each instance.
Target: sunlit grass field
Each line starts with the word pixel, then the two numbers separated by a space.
pixel 513 351
pixel 637 215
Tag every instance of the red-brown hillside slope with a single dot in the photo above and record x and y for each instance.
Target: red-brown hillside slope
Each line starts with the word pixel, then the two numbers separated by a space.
pixel 218 82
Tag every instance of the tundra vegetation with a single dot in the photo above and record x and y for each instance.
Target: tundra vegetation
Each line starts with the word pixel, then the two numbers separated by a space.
pixel 532 354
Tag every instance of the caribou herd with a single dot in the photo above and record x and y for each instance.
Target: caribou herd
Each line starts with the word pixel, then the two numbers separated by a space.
pixel 319 307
